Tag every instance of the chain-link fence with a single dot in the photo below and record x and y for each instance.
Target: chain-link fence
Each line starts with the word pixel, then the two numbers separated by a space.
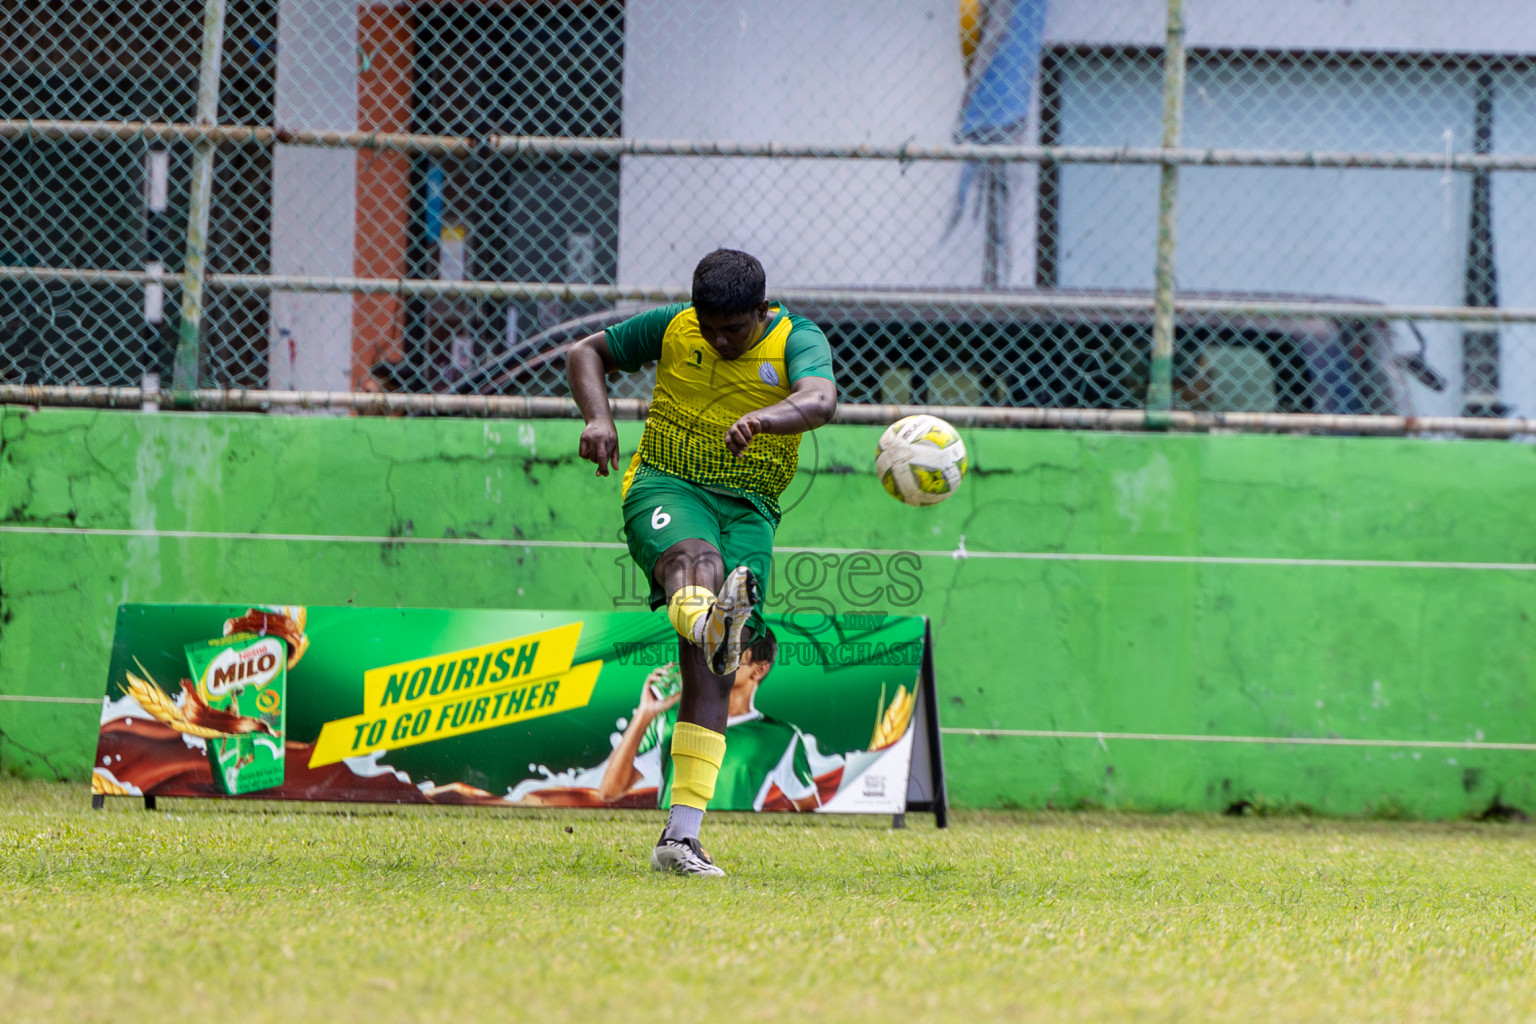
pixel 1138 208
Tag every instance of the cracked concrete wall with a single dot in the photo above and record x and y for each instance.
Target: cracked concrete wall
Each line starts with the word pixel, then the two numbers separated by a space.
pixel 1118 595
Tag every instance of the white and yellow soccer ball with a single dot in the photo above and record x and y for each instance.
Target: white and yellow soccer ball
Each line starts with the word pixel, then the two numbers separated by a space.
pixel 920 460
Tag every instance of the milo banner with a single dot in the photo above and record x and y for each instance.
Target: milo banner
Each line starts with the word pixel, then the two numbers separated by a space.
pixel 507 708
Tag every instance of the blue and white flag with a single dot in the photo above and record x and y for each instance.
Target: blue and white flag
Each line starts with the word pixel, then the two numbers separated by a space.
pixel 1000 84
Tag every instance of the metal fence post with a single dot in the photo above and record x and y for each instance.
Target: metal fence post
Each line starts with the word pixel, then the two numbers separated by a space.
pixel 189 342
pixel 1160 386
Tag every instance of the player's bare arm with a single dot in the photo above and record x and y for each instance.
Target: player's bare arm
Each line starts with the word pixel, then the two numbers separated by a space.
pixel 586 365
pixel 810 404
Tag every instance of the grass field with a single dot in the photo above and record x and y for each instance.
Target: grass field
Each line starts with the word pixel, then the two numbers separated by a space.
pixel 266 912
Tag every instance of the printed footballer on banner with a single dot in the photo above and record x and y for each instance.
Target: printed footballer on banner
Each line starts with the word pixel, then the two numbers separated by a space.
pixel 769 764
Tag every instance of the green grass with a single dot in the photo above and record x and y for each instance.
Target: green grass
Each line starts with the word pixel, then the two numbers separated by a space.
pixel 267 912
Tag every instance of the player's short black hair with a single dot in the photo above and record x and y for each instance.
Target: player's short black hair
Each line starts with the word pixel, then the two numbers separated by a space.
pixel 766 647
pixel 729 281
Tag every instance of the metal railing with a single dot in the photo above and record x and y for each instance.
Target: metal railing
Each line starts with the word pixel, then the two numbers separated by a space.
pixel 1018 345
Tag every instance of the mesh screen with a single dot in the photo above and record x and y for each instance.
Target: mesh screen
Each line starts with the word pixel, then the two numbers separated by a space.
pixel 970 197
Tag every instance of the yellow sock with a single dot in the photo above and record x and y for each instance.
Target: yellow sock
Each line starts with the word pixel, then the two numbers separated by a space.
pixel 685 608
pixel 696 756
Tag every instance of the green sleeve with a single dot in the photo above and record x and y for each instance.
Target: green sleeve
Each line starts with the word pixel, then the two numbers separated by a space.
pixel 806 352
pixel 651 737
pixel 637 341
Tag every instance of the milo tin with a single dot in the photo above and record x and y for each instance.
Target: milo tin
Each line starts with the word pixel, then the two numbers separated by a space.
pixel 240 689
pixel 670 682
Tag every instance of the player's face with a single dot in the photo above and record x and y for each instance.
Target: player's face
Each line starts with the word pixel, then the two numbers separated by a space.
pixel 732 334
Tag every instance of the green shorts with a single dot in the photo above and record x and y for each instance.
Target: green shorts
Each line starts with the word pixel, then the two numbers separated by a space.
pixel 661 510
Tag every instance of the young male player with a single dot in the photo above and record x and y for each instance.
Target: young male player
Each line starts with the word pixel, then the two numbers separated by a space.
pixel 737 382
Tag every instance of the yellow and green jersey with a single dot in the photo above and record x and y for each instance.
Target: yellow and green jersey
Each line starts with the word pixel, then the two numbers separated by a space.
pixel 699 395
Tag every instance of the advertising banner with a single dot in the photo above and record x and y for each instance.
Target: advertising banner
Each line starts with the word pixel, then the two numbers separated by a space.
pixel 507 708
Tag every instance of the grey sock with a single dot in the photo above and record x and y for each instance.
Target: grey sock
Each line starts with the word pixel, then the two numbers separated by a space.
pixel 683 823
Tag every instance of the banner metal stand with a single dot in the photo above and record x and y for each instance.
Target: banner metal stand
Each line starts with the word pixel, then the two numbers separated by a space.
pixel 99 801
pixel 925 785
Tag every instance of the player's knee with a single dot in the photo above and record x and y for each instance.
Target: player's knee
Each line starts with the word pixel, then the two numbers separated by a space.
pixel 691 562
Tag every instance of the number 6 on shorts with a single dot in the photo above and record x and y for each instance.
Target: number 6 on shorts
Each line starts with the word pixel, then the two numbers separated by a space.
pixel 659 519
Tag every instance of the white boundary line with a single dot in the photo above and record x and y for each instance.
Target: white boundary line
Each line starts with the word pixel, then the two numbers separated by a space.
pixel 1099 737
pixel 311 538
pixel 1277 741
pixel 958 554
pixel 37 699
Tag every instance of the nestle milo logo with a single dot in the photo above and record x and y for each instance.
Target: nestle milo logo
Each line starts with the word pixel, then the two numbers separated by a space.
pixel 235 668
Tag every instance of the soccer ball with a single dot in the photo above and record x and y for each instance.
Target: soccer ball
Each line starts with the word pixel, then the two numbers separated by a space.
pixel 920 460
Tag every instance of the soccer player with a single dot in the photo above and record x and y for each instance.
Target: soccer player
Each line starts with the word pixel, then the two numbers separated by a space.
pixel 738 380
pixel 761 752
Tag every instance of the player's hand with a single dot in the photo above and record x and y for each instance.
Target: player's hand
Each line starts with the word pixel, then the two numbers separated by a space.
pixel 600 445
pixel 741 434
pixel 650 704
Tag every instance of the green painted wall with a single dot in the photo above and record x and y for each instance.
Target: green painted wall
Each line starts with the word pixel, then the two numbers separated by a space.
pixel 1141 630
